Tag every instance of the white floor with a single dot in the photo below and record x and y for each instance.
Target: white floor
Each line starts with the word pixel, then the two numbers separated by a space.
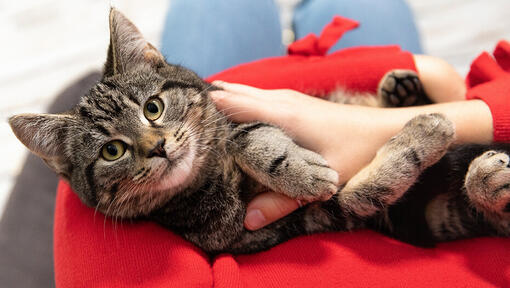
pixel 46 44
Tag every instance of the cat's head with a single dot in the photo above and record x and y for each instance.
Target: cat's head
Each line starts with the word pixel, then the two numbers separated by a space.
pixel 136 138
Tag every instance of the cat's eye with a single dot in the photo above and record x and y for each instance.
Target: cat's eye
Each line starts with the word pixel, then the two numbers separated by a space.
pixel 113 150
pixel 153 109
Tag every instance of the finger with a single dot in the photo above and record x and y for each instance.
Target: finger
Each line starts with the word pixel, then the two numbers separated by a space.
pixel 241 108
pixel 239 88
pixel 267 208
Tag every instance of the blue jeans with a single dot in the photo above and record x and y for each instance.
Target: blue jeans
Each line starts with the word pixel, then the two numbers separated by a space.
pixel 210 36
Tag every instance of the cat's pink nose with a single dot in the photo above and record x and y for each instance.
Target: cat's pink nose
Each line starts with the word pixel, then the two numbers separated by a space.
pixel 158 150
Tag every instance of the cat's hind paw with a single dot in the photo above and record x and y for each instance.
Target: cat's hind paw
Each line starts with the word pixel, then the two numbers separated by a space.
pixel 430 135
pixel 401 88
pixel 397 165
pixel 488 182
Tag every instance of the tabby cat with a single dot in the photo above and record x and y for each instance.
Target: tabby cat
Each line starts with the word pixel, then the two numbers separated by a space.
pixel 146 142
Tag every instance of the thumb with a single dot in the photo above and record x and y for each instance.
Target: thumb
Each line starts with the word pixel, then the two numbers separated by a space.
pixel 268 207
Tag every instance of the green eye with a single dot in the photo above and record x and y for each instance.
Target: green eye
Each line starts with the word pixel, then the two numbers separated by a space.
pixel 153 109
pixel 113 150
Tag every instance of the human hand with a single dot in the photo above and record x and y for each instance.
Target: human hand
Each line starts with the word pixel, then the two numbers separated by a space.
pixel 347 138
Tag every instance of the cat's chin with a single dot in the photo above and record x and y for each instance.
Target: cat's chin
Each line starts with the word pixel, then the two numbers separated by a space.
pixel 179 175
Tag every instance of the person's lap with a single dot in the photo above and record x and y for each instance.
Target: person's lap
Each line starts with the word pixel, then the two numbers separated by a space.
pixel 210 36
pixel 384 22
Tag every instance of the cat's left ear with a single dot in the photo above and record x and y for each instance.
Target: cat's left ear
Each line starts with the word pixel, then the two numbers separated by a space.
pixel 43 134
pixel 128 48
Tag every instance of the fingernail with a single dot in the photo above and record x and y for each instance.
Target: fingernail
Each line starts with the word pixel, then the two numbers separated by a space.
pixel 255 219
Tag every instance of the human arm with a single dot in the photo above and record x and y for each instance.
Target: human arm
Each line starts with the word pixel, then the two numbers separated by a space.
pixel 349 136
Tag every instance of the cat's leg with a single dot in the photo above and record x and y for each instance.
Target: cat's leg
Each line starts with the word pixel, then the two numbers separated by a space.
pixel 487 186
pixel 313 218
pixel 269 156
pixel 401 88
pixel 451 216
pixel 397 165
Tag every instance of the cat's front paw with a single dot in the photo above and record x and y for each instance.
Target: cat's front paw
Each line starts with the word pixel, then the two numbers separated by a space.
pixel 306 175
pixel 488 182
pixel 429 135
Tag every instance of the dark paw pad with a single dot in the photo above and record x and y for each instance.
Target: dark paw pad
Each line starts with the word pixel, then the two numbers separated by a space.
pixel 402 88
pixel 507 208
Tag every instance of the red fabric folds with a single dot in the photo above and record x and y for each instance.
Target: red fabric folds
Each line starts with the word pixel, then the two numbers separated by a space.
pixel 312 45
pixel 91 251
pixel 489 80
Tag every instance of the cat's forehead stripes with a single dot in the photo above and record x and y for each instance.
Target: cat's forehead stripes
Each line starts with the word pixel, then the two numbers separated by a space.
pixel 172 84
pixel 106 83
pixel 101 109
pixel 108 104
pixel 95 119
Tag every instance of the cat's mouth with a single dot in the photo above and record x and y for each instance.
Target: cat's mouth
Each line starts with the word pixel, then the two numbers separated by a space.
pixel 177 170
pixel 166 177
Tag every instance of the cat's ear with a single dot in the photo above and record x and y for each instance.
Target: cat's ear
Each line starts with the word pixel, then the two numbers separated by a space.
pixel 128 48
pixel 43 134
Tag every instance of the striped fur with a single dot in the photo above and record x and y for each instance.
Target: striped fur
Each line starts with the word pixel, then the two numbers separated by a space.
pixel 207 169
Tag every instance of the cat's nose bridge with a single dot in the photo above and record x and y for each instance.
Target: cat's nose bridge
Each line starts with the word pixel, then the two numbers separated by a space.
pixel 155 144
pixel 158 150
pixel 151 145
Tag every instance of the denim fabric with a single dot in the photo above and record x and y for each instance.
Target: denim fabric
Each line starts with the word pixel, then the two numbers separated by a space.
pixel 383 22
pixel 209 36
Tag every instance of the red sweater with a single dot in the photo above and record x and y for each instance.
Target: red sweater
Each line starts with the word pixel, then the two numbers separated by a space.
pixel 489 80
pixel 91 251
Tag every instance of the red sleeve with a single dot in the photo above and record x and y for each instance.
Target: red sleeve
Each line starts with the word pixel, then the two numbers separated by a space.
pixel 489 80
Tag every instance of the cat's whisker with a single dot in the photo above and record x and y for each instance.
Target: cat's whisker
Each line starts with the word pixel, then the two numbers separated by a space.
pixel 222 139
pixel 230 115
pixel 216 113
pixel 194 131
pixel 221 114
pixel 207 132
pixel 212 122
pixel 209 149
pixel 105 218
pixel 95 211
pixel 208 87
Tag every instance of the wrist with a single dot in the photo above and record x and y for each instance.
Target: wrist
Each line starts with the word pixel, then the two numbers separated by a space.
pixel 472 119
pixel 356 133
